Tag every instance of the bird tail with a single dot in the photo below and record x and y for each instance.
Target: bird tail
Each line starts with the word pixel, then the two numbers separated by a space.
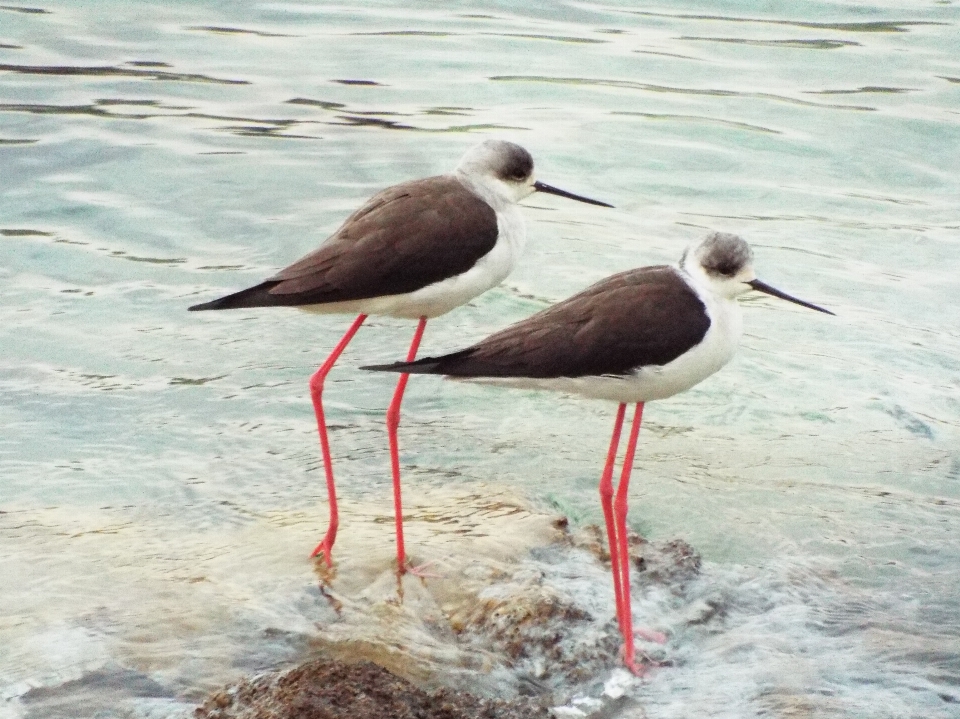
pixel 258 296
pixel 428 365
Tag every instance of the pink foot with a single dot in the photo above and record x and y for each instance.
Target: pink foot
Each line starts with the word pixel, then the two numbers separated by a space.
pixel 325 550
pixel 650 635
pixel 648 661
pixel 635 669
pixel 630 662
pixel 421 572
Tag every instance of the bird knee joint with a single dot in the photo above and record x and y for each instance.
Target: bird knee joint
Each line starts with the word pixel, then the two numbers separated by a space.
pixel 393 420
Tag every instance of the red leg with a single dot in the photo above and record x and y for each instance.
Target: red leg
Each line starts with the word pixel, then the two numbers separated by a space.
pixel 316 393
pixel 606 501
pixel 393 422
pixel 620 514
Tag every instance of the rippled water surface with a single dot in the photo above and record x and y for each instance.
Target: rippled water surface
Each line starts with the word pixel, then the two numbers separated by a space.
pixel 160 483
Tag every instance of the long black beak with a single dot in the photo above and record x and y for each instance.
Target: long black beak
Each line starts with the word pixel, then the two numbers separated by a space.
pixel 544 187
pixel 764 287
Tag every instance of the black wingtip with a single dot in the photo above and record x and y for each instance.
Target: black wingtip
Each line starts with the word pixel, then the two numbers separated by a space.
pixel 257 296
pixel 392 367
pixel 221 303
pixel 443 364
pixel 402 367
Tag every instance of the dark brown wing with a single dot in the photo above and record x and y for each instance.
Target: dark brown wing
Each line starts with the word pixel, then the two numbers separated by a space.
pixel 404 238
pixel 648 316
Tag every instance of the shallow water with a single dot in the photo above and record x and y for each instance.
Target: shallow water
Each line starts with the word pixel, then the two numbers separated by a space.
pixel 161 484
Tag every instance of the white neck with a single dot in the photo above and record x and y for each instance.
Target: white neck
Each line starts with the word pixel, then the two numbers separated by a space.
pixel 697 277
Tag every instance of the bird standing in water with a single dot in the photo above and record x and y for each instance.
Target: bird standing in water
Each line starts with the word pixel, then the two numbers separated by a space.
pixel 641 335
pixel 414 251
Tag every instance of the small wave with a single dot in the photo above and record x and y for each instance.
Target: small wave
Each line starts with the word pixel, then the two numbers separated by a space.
pixel 362 121
pixel 236 31
pixel 668 54
pixel 25 10
pixel 697 118
pixel 447 111
pixel 869 89
pixel 369 83
pixel 631 85
pixel 406 33
pixel 326 105
pixel 149 260
pixel 17 232
pixel 252 127
pixel 553 38
pixel 194 381
pixel 874 26
pixel 838 221
pixel 67 110
pixel 910 421
pixel 114 71
pixel 257 127
pixel 265 131
pixel 819 44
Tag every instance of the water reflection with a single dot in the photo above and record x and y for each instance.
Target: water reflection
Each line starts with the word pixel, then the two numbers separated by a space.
pixel 801 44
pixel 629 85
pixel 113 71
pixel 876 26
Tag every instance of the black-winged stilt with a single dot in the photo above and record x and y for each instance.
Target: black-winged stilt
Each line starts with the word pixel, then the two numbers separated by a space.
pixel 416 251
pixel 637 336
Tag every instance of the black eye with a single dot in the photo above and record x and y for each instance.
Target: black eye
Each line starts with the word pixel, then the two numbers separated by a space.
pixel 726 269
pixel 517 167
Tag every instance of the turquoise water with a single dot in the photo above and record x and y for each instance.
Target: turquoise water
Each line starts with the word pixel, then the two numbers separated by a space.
pixel 156 155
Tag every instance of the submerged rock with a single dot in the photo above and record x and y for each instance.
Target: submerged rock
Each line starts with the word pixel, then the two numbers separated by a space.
pixel 672 563
pixel 323 689
pixel 513 604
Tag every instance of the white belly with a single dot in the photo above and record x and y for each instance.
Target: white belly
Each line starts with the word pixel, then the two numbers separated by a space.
pixel 657 381
pixel 441 297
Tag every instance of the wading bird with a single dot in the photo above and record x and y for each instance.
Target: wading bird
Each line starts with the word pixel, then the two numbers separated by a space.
pixel 641 335
pixel 414 251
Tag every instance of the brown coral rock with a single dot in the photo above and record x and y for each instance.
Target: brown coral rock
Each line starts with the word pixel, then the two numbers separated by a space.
pixel 324 689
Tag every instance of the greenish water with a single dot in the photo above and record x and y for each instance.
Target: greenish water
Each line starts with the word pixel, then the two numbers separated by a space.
pixel 153 155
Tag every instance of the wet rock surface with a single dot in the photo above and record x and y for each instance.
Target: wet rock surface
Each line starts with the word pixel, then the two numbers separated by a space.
pixel 325 689
pixel 515 618
pixel 673 562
